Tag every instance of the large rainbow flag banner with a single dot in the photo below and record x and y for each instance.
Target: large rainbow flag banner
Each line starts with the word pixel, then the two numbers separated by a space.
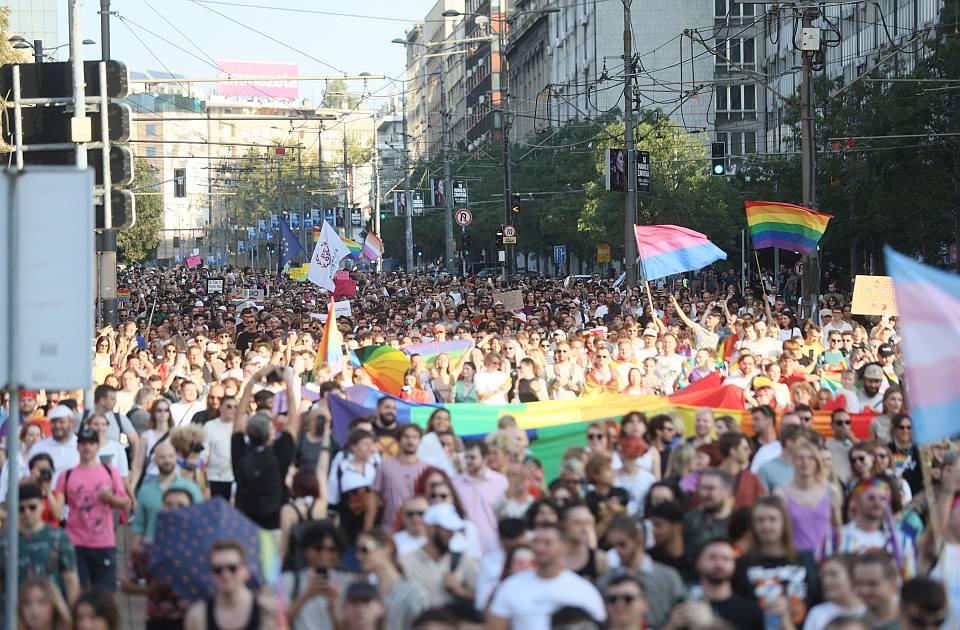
pixel 784 225
pixel 430 351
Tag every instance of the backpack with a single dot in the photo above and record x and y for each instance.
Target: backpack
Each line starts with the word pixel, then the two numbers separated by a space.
pixel 295 559
pixel 259 486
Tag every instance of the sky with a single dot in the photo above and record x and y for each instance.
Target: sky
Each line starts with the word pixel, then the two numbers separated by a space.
pixel 186 37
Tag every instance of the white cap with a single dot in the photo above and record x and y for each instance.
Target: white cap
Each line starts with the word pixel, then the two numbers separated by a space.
pixel 649 332
pixel 60 411
pixel 213 347
pixel 443 515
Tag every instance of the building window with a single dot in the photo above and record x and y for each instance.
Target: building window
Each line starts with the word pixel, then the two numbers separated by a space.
pixel 731 8
pixel 740 51
pixel 736 102
pixel 151 130
pixel 179 182
pixel 151 152
pixel 739 143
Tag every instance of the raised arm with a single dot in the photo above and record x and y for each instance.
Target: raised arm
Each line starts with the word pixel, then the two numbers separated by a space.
pixel 679 311
pixel 293 401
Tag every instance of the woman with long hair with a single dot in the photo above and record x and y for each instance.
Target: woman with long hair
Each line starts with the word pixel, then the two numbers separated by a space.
pixel 431 448
pixel 404 599
pixel 306 503
pixel 187 441
pixel 40 606
pixel 413 390
pixel 583 556
pixel 464 390
pixel 129 386
pixel 783 579
pixel 598 440
pixel 839 597
pixel 887 465
pixel 906 454
pixel 96 609
pixel 892 404
pixel 158 430
pixel 442 379
pixel 813 507
pixel 530 386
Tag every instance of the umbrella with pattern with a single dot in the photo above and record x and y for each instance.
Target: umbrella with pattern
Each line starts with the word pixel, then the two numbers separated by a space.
pixel 385 365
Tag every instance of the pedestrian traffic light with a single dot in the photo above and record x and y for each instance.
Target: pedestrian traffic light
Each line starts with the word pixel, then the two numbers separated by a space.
pixel 515 206
pixel 718 151
pixel 499 237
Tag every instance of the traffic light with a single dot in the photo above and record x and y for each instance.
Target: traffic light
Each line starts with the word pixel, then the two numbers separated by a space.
pixel 718 152
pixel 383 215
pixel 466 244
pixel 499 237
pixel 515 206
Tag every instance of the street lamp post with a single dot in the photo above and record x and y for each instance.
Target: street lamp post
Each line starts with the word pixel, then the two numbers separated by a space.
pixel 39 52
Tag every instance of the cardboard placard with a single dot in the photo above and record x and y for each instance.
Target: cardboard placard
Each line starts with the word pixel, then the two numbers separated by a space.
pixel 341 309
pixel 214 285
pixel 193 261
pixel 512 300
pixel 299 273
pixel 873 295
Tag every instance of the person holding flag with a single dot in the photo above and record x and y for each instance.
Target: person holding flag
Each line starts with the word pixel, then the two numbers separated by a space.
pixel 327 254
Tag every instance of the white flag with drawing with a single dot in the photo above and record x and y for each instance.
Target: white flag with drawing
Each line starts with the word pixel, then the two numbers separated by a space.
pixel 328 253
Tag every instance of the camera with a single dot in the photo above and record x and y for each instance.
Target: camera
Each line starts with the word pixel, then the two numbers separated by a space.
pixel 196 447
pixel 274 376
pixel 46 474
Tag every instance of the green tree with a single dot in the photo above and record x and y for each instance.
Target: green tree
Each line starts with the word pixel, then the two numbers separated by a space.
pixel 140 241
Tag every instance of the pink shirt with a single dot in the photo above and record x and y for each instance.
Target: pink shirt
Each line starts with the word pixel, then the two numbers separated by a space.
pixel 478 496
pixel 90 520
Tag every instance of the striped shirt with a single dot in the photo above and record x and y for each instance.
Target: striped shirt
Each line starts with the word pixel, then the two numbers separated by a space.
pixel 394 483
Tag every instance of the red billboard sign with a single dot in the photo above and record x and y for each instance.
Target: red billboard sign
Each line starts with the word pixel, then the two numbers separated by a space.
pixel 272 84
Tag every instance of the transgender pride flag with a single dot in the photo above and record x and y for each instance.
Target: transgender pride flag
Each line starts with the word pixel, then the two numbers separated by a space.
pixel 928 301
pixel 664 250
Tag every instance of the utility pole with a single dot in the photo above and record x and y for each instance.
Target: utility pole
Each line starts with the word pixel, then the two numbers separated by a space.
pixel 323 214
pixel 809 49
pixel 447 181
pixel 38 51
pixel 630 200
pixel 408 210
pixel 508 259
pixel 376 183
pixel 303 228
pixel 347 210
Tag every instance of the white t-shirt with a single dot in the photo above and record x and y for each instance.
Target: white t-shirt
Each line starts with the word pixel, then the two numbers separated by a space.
pixel 528 600
pixel 822 614
pixel 766 453
pixel 406 543
pixel 766 347
pixel 637 485
pixel 217 435
pixel 182 413
pixel 487 382
pixel 874 402
pixel 115 455
pixel 64 456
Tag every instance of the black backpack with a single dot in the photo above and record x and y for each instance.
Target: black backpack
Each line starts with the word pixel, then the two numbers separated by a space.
pixel 259 486
pixel 295 559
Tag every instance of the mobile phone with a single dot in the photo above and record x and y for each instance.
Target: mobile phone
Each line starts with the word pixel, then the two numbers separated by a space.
pixel 322 572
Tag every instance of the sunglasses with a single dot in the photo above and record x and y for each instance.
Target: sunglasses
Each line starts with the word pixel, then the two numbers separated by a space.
pixel 413 513
pixel 220 569
pixel 616 598
pixel 844 423
pixel 594 436
pixel 439 496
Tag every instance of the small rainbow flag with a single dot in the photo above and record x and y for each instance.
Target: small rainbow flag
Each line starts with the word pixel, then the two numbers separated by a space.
pixel 784 225
pixel 353 246
pixel 316 233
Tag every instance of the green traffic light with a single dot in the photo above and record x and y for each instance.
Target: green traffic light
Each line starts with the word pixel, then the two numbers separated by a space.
pixel 718 169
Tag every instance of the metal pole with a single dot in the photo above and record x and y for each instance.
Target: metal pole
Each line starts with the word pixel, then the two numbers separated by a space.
pixel 408 211
pixel 505 127
pixel 303 227
pixel 630 200
pixel 76 61
pixel 38 51
pixel 347 210
pixel 107 287
pixel 811 270
pixel 447 178
pixel 376 185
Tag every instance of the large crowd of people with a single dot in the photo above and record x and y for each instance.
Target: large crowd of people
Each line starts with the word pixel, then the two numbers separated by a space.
pixel 749 521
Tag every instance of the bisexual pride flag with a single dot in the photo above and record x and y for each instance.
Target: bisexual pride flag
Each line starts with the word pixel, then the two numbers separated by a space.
pixel 665 250
pixel 928 301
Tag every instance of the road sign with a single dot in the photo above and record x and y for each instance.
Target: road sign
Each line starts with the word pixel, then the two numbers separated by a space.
pixel 509 240
pixel 798 267
pixel 509 230
pixel 460 196
pixel 463 217
pixel 603 252
pixel 559 254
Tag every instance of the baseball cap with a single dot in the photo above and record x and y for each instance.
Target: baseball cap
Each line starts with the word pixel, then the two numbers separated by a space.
pixel 86 434
pixel 649 332
pixel 213 347
pixel 443 515
pixel 60 411
pixel 885 350
pixel 28 393
pixel 873 371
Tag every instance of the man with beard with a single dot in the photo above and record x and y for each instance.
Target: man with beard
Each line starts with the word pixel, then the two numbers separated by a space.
pixel 150 495
pixel 214 398
pixel 448 576
pixel 61 446
pixel 385 427
pixel 715 566
pixel 870 396
pixel 715 491
pixel 395 479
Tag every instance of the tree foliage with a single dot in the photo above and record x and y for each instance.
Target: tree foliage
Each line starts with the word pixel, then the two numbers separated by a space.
pixel 140 241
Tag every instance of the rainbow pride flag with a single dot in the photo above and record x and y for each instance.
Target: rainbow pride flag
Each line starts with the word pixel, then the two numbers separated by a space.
pixel 430 351
pixel 353 246
pixel 784 225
